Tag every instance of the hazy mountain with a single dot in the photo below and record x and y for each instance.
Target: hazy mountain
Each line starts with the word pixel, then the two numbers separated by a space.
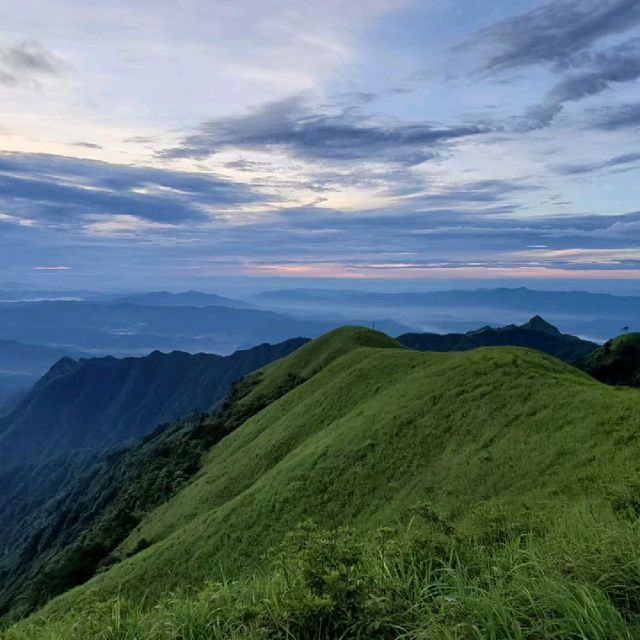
pixel 184 299
pixel 520 298
pixel 534 334
pixel 28 359
pixel 594 315
pixel 135 329
pixel 21 365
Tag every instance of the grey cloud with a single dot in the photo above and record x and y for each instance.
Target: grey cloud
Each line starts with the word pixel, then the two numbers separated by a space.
pixel 450 235
pixel 21 62
pixel 617 161
pixel 600 70
pixel 555 31
pixel 624 116
pixel 87 145
pixel 479 192
pixel 447 236
pixel 67 190
pixel 344 135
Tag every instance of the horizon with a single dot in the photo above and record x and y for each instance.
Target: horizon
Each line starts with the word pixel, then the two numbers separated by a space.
pixel 420 145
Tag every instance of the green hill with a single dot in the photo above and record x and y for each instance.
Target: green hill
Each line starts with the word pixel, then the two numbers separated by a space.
pixel 617 362
pixel 537 333
pixel 353 430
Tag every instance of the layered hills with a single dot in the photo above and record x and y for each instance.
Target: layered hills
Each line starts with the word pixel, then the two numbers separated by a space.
pixel 537 333
pixel 353 429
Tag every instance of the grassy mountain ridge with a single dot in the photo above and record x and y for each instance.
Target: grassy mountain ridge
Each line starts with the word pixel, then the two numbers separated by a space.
pixel 66 542
pixel 367 436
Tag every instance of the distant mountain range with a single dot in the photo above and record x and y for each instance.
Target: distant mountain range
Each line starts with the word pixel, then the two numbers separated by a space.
pixel 511 299
pixel 537 333
pixel 185 299
pixel 124 328
pixel 594 315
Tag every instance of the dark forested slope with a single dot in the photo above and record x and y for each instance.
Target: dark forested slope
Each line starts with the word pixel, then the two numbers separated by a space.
pixel 534 334
pixel 97 403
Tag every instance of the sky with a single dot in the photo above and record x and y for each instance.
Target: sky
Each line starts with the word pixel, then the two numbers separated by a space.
pixel 178 142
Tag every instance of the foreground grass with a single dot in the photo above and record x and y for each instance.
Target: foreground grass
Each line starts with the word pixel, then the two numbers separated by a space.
pixel 501 575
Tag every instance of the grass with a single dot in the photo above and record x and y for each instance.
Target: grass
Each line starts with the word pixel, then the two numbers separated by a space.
pixel 500 441
pixel 577 577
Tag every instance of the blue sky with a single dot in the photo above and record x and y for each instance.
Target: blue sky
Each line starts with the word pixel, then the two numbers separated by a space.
pixel 157 142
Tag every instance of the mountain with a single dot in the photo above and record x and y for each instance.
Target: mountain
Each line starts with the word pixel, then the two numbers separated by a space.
pixel 60 446
pixel 131 329
pixel 537 333
pixel 504 298
pixel 582 313
pixel 28 359
pixel 98 403
pixel 617 362
pixel 22 364
pixel 497 461
pixel 184 299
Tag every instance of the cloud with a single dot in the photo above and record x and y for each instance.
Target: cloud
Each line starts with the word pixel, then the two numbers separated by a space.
pixel 54 268
pixel 555 31
pixel 322 242
pixel 590 167
pixel 623 116
pixel 22 62
pixel 87 145
pixel 24 222
pixel 62 190
pixel 601 69
pixel 341 135
pixel 420 236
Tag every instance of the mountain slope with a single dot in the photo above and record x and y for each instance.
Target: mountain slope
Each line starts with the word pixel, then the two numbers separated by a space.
pixel 63 542
pixel 98 403
pixel 534 334
pixel 371 433
pixel 67 503
pixel 617 362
